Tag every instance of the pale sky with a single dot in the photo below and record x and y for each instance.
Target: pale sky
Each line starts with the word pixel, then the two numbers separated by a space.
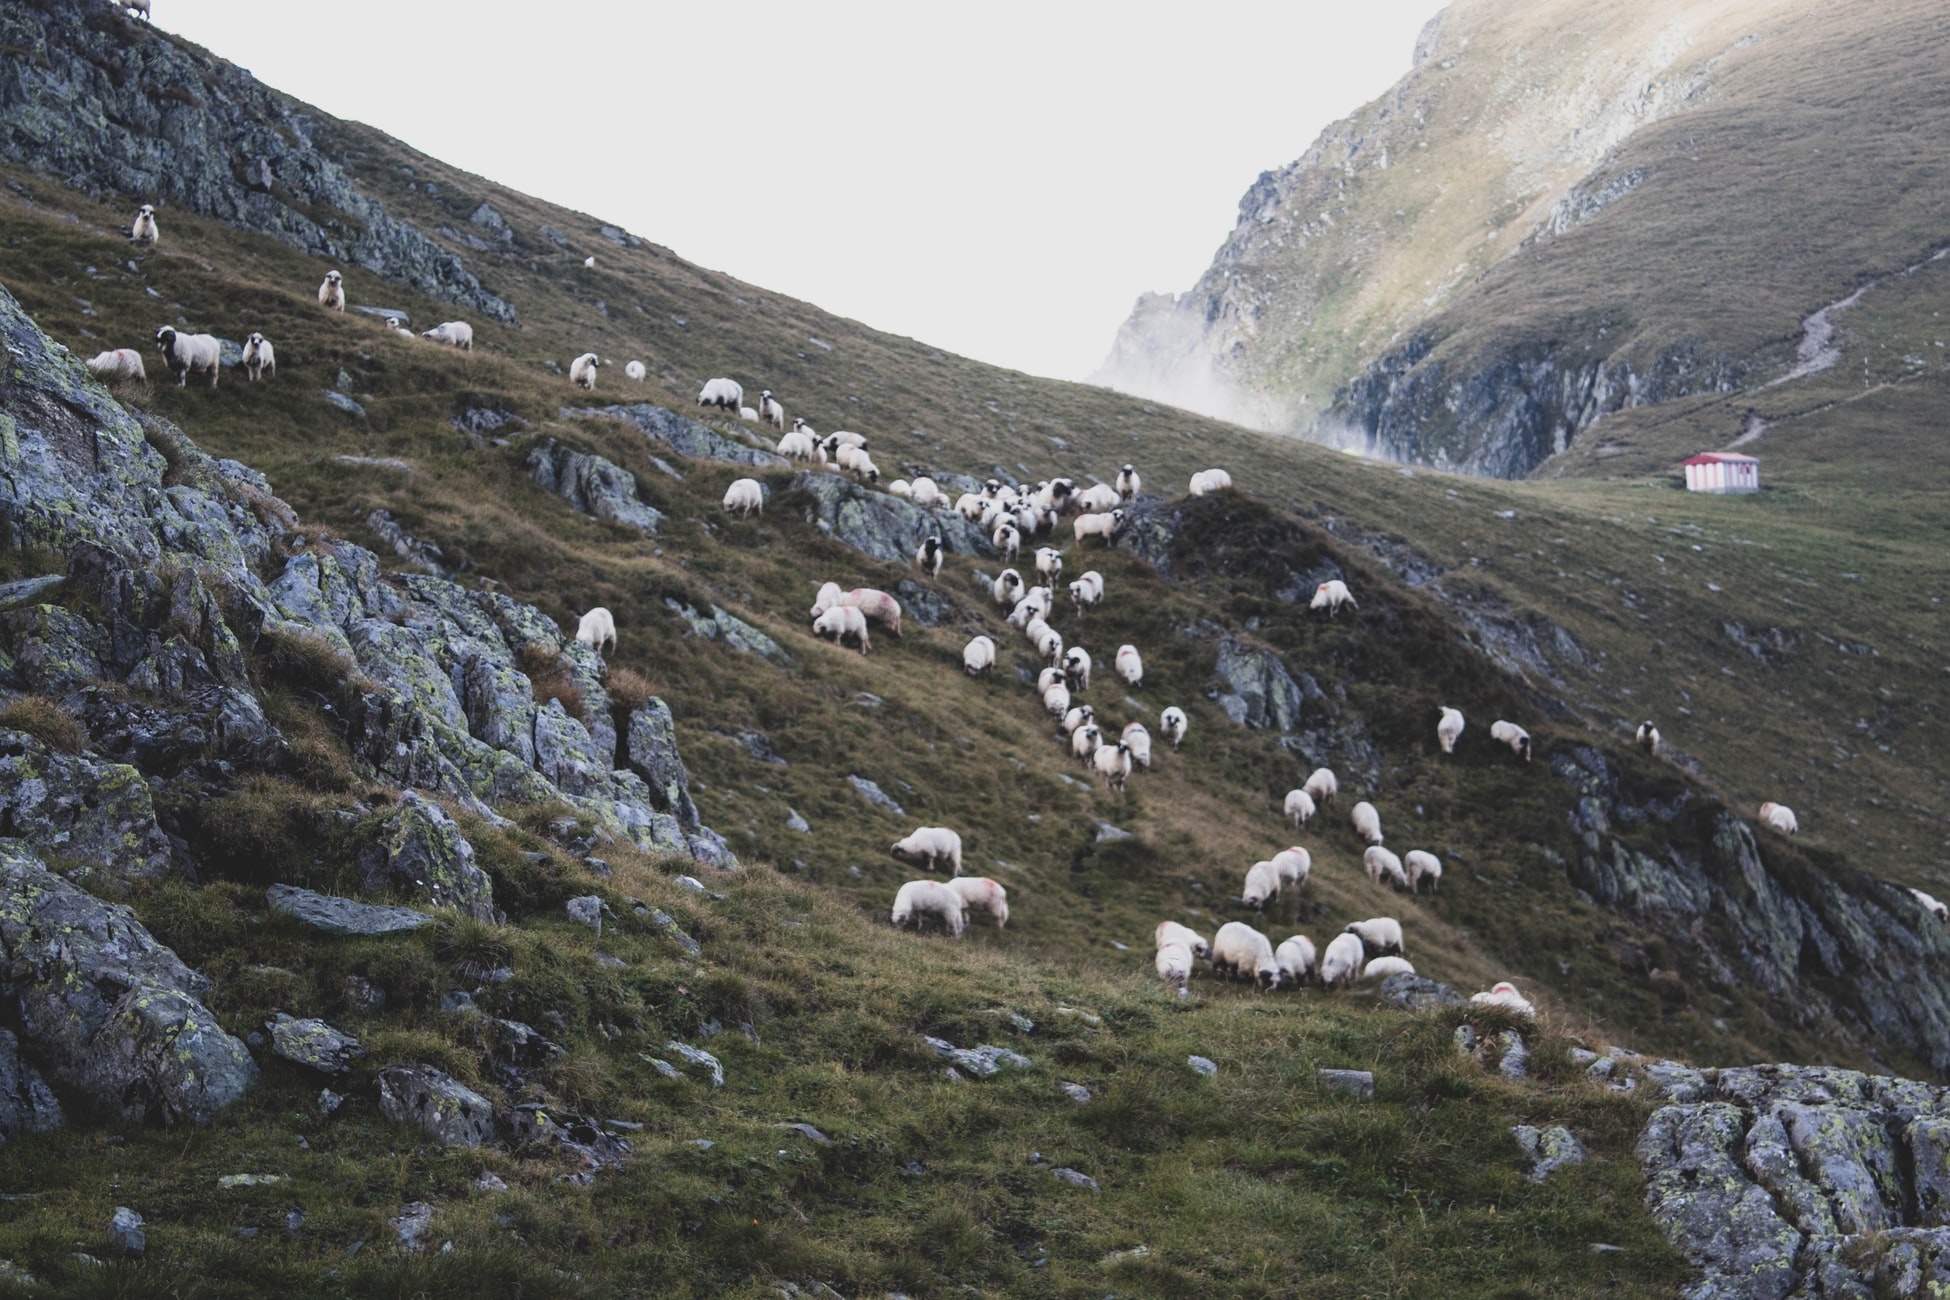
pixel 1001 180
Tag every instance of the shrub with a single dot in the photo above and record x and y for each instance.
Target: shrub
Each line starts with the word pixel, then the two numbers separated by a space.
pixel 548 676
pixel 628 689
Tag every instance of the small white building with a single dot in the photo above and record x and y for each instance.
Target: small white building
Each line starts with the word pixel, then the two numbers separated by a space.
pixel 1722 471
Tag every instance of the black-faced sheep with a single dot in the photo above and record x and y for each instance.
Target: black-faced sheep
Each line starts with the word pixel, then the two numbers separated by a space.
pixel 745 497
pixel 1173 932
pixel 1648 738
pixel 459 334
pixel 143 229
pixel 190 353
pixel 1173 723
pixel 840 622
pixel 725 394
pixel 582 371
pixel 1341 964
pixel 1296 958
pixel 1422 865
pixel 1509 733
pixel 770 411
pixel 1128 484
pixel 929 557
pixel 1241 952
pixel 260 359
pixel 1448 727
pixel 331 294
pixel 1380 935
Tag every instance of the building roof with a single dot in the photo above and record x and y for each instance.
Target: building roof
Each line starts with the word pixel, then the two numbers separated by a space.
pixel 1718 457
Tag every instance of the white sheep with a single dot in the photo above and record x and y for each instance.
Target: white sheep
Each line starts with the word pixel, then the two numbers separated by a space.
pixel 1780 817
pixel 1383 967
pixel 1104 526
pixel 929 555
pixel 1242 952
pixel 1049 564
pixel 1323 786
pixel 459 334
pixel 120 364
pixel 331 294
pixel 1007 588
pixel 260 359
pixel 1448 727
pixel 1131 668
pixel 920 899
pixel 1051 676
pixel 1331 595
pixel 1036 625
pixel 1172 722
pixel 1088 591
pixel 589 263
pixel 829 596
pixel 844 438
pixel 399 326
pixel 969 505
pixel 1076 671
pixel 725 394
pixel 1057 699
pixel 136 7
pixel 1422 865
pixel 634 370
pixel 1173 932
pixel 798 446
pixel 930 846
pixel 770 411
pixel 1029 608
pixel 981 894
pixel 876 605
pixel 978 656
pixel 1299 807
pixel 1084 742
pixel 1207 481
pixel 1648 738
pixel 1099 497
pixel 597 629
pixel 1113 763
pixel 1936 909
pixel 748 414
pixel 143 230
pixel 1139 741
pixel 744 497
pixel 1380 935
pixel 927 493
pixel 1294 864
pixel 1078 716
pixel 1128 484
pixel 864 467
pixel 1341 964
pixel 1504 994
pixel 1509 733
pixel 1383 867
pixel 188 354
pixel 1367 822
pixel 1295 958
pixel 1262 884
pixel 840 622
pixel 1174 964
pixel 582 371
pixel 1049 644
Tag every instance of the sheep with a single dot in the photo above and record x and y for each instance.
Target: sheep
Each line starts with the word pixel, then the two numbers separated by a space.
pixel 1173 723
pixel 135 7
pixel 929 555
pixel 1174 964
pixel 1172 932
pixel 1113 763
pixel 900 488
pixel 459 334
pixel 1049 644
pixel 1780 817
pixel 1448 727
pixel 1295 958
pixel 589 263
pixel 122 363
pixel 1422 865
pixel 1131 668
pixel 1035 627
pixel 1936 909
pixel 188 354
pixel 1098 498
pixel 1383 967
pixel 1648 738
pixel 978 656
pixel 1088 591
pixel 1007 587
pixel 331 294
pixel 929 845
pixel 1242 952
pixel 1139 741
pixel 1383 867
pixel 1294 865
pixel 1208 481
pixel 981 894
pixel 582 371
pixel 399 326
pixel 1262 883
pixel 1299 807
pixel 1341 964
pixel 1128 484
pixel 876 605
pixel 1055 495
pixel 1331 595
pixel 927 493
pixel 1076 671
pixel 1031 607
pixel 260 359
pixel 1512 735
pixel 748 414
pixel 1084 742
pixel 1382 935
pixel 1057 699
pixel 1504 994
pixel 1104 526
pixel 844 438
pixel 597 629
pixel 864 467
pixel 797 446
pixel 1049 564
pixel 1323 786
pixel 920 899
pixel 1080 715
pixel 725 394
pixel 1007 540
pixel 143 230
pixel 1051 676
pixel 829 596
pixel 744 497
pixel 969 505
pixel 1367 822
pixel 770 411
pixel 843 621
pixel 634 370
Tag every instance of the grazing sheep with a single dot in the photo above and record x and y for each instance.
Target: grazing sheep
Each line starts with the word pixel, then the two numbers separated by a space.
pixel 920 899
pixel 1331 595
pixel 1241 952
pixel 1295 958
pixel 1448 727
pixel 1084 742
pixel 459 334
pixel 1380 935
pixel 829 596
pixel 634 370
pixel 981 894
pixel 1104 526
pixel 1051 676
pixel 1294 865
pixel 331 294
pixel 1648 738
pixel 589 263
pixel 929 557
pixel 744 497
pixel 1341 964
pixel 1099 497
pixel 844 438
pixel 725 394
pixel 929 845
pixel 1383 867
pixel 1057 699
pixel 1323 786
pixel 1504 994
pixel 1383 967
pixel 135 7
pixel 1515 737
pixel 1422 865
pixel 1299 807
pixel 1049 564
pixel 597 629
pixel 1007 587
pixel 122 363
pixel 1128 484
pixel 748 414
pixel 1088 591
pixel 1112 762
pixel 1936 909
pixel 1780 817
pixel 1033 605
pixel 1367 822
pixel 1139 741
pixel 969 505
pixel 1080 715
pixel 1036 625
pixel 1076 671
pixel 188 354
pixel 143 230
pixel 1131 668
pixel 1007 540
pixel 927 493
pixel 876 605
pixel 796 446
pixel 1262 884
pixel 1172 722
pixel 770 411
pixel 978 656
pixel 1174 964
pixel 260 359
pixel 1049 644
pixel 582 371
pixel 843 621
pixel 1173 932
pixel 1209 480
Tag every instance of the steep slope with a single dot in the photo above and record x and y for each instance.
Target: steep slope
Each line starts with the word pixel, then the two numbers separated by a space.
pixel 1561 212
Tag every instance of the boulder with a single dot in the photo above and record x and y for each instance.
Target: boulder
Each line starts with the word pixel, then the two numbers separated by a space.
pixel 1548 1149
pixel 684 435
pixel 421 854
pixel 1356 1083
pixel 981 1061
pixel 342 915
pixel 27 1104
pixel 313 1043
pixel 445 1109
pixel 881 525
pixel 1260 693
pixel 75 806
pixel 730 630
pixel 651 744
pixel 1414 993
pixel 592 485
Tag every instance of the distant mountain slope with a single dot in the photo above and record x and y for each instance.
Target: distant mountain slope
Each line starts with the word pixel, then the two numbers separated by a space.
pixel 1564 210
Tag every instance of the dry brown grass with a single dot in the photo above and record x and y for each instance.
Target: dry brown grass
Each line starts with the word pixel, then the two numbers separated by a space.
pixel 46 721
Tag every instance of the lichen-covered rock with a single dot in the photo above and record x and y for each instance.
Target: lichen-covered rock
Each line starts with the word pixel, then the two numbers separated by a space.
pixel 109 1013
pixel 342 915
pixel 981 1061
pixel 592 485
pixel 1259 690
pixel 730 630
pixel 313 1043
pixel 421 853
pixel 684 435
pixel 1415 993
pixel 27 1104
pixel 72 806
pixel 652 748
pixel 881 525
pixel 1548 1149
pixel 443 1108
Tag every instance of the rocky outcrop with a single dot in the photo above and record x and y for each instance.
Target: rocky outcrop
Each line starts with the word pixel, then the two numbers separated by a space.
pixel 71 806
pixel 652 749
pixel 331 915
pixel 881 525
pixel 314 1044
pixel 27 1104
pixel 421 854
pixel 445 1109
pixel 592 485
pixel 1259 692
pixel 683 435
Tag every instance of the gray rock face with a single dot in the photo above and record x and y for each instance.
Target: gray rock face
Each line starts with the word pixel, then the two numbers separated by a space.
pixel 1203 1065
pixel 592 485
pixel 446 1110
pixel 1414 993
pixel 652 748
pixel 313 1043
pixel 1076 1179
pixel 684 435
pixel 111 1015
pixel 1548 1149
pixel 881 525
pixel 77 807
pixel 698 1057
pixel 27 1104
pixel 342 915
pixel 729 630
pixel 421 853
pixel 1356 1083
pixel 1260 691
pixel 981 1061
pixel 125 1234
pixel 587 910
pixel 873 794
